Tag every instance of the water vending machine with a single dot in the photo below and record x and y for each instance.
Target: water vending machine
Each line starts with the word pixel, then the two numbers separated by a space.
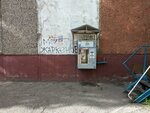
pixel 86 41
pixel 86 54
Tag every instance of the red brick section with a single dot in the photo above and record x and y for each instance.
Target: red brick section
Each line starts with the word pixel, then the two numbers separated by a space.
pixel 2 69
pixel 57 68
pixel 63 68
pixel 20 67
pixel 125 25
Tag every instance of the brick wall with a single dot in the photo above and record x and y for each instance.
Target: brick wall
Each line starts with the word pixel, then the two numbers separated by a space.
pixel 125 25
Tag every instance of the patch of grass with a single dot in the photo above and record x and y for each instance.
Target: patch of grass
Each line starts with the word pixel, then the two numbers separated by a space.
pixel 147 102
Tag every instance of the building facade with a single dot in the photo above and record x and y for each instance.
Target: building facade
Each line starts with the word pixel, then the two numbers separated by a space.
pixel 36 42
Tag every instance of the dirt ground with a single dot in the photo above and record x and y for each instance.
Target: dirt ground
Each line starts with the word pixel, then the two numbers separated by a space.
pixel 52 97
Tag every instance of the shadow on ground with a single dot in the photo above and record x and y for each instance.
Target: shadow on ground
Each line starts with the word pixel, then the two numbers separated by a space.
pixel 41 94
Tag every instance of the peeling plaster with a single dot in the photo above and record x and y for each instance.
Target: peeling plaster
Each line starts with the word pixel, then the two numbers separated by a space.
pixel 58 17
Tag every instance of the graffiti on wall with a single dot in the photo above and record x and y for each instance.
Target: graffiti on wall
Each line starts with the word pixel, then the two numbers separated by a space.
pixel 55 40
pixel 56 50
pixel 56 45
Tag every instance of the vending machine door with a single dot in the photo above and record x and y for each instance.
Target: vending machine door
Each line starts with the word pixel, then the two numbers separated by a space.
pixel 83 55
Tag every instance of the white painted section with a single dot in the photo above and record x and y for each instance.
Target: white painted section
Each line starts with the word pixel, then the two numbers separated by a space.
pixel 58 17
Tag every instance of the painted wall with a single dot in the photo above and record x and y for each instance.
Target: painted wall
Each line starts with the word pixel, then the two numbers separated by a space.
pixel 63 68
pixel 125 25
pixel 58 17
